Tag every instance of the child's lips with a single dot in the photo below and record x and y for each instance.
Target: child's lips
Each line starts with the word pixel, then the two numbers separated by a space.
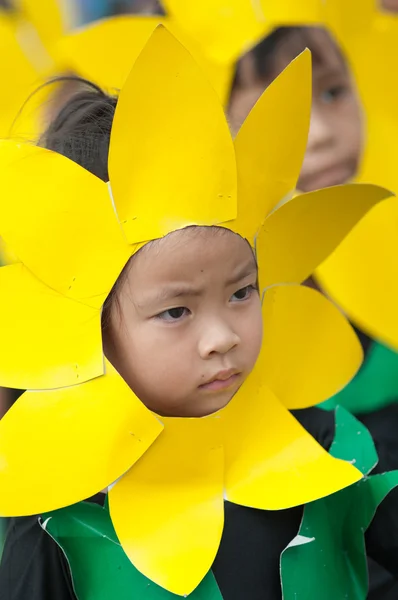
pixel 222 381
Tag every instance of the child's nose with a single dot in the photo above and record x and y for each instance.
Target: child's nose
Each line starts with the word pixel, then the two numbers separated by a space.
pixel 217 338
pixel 320 133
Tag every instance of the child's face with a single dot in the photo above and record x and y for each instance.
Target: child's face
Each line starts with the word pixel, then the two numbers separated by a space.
pixel 186 329
pixel 335 137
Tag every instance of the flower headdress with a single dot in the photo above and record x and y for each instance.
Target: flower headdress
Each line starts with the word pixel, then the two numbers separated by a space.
pixel 361 276
pixel 216 32
pixel 80 428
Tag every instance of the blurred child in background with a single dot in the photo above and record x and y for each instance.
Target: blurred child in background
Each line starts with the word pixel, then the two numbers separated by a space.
pixel 335 144
pixel 336 132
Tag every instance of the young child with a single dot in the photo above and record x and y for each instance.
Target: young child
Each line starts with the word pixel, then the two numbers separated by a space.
pixel 336 132
pixel 333 153
pixel 182 325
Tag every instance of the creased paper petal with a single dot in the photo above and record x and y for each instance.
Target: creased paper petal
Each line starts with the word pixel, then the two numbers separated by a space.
pixel 168 509
pixel 309 350
pixel 62 446
pixel 59 221
pixel 330 542
pixel 99 567
pixel 170 146
pixel 105 51
pixel 291 467
pixel 47 341
pixel 362 275
pixel 336 552
pixel 300 234
pixel 271 143
pixel 353 442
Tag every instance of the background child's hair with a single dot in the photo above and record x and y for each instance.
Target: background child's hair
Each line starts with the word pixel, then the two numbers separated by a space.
pixel 81 130
pixel 295 39
pixel 7 5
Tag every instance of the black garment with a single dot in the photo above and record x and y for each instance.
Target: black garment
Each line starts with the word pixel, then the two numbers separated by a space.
pixel 247 564
pixel 382 584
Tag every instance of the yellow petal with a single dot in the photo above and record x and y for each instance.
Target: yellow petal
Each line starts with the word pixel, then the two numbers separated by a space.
pixel 168 509
pixel 305 12
pixel 59 220
pixel 49 17
pixel 170 146
pixel 272 462
pixel 105 51
pixel 47 340
pixel 62 446
pixel 223 28
pixel 18 75
pixel 271 143
pixel 362 275
pixel 309 351
pixel 300 234
pixel 219 73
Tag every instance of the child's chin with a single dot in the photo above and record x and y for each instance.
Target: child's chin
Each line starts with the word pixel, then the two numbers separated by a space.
pixel 213 405
pixel 203 406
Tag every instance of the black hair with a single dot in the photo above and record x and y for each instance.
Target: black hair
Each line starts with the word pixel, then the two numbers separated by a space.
pixel 7 6
pixel 265 53
pixel 81 130
pixel 120 7
pixel 266 50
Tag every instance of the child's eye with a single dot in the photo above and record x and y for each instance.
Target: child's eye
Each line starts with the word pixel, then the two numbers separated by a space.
pixel 333 93
pixel 173 314
pixel 243 293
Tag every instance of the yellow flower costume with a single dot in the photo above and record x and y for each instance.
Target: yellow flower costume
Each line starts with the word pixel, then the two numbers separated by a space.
pixel 362 275
pixel 79 428
pixel 216 32
pixel 27 35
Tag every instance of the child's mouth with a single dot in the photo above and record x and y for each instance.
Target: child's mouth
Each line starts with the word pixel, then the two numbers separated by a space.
pixel 222 381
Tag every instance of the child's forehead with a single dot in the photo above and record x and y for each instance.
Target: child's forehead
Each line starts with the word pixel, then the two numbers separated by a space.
pixel 327 56
pixel 326 52
pixel 192 246
pixel 193 236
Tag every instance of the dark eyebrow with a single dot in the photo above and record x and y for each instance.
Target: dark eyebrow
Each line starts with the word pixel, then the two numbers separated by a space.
pixel 171 293
pixel 244 271
pixel 179 290
pixel 328 72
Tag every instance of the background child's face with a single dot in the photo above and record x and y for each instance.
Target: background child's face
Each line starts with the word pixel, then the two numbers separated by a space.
pixel 335 137
pixel 390 5
pixel 187 312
